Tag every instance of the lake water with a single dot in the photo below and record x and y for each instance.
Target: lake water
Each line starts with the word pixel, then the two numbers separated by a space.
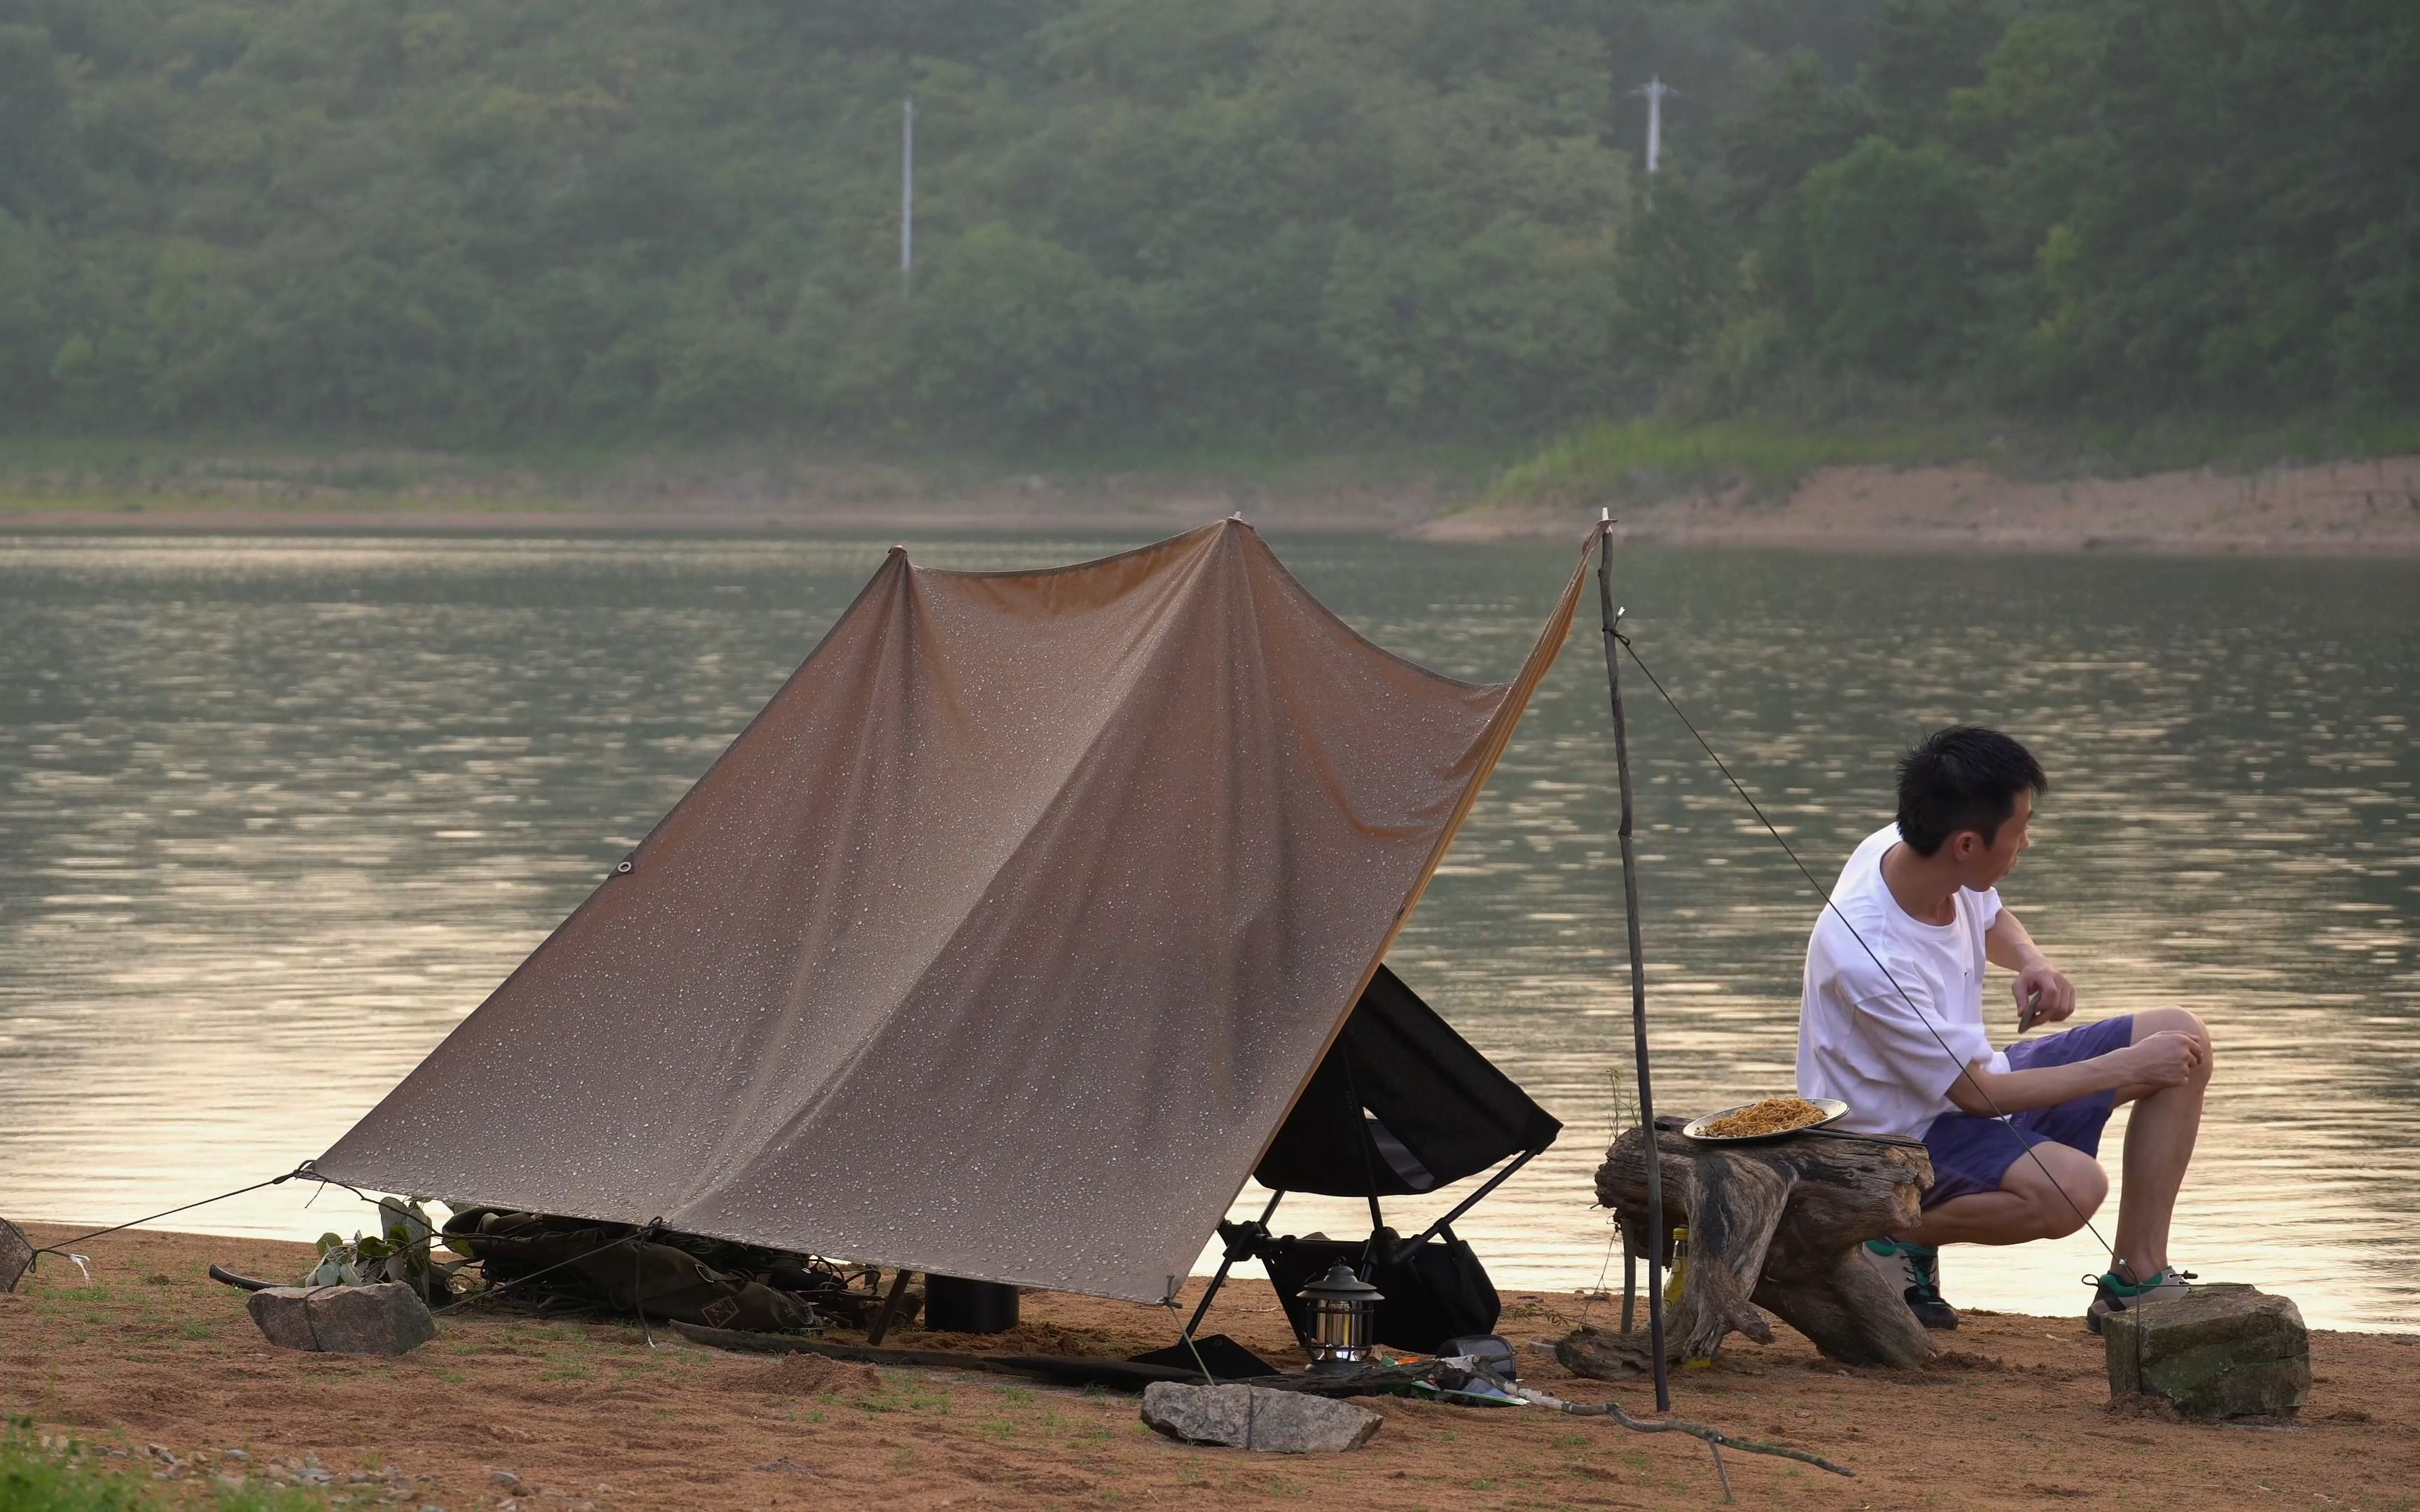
pixel 275 813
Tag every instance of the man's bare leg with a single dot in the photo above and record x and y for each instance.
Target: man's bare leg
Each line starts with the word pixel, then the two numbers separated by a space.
pixel 2160 1138
pixel 2029 1205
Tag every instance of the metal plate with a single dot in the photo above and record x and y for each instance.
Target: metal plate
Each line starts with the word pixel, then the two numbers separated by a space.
pixel 1833 1111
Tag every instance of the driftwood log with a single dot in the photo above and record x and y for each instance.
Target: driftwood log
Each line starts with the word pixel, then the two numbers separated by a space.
pixel 1774 1226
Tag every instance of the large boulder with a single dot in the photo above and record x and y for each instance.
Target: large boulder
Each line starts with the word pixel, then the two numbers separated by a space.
pixel 1255 1417
pixel 2224 1350
pixel 388 1318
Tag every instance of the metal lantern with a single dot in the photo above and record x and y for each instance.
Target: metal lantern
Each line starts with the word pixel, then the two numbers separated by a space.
pixel 1344 1318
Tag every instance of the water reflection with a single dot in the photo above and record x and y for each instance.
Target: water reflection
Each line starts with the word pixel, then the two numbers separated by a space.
pixel 276 813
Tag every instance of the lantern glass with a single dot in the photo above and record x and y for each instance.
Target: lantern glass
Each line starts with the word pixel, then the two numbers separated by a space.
pixel 1343 1317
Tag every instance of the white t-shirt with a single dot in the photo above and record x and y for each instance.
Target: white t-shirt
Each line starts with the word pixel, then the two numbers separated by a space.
pixel 1859 1038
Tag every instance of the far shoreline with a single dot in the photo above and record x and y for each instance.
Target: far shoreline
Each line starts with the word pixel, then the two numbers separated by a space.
pixel 2343 509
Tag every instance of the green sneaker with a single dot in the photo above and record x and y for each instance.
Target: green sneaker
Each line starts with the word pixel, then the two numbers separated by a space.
pixel 2112 1295
pixel 1913 1271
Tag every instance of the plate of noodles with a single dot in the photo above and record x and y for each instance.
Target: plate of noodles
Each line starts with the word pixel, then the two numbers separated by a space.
pixel 1768 1119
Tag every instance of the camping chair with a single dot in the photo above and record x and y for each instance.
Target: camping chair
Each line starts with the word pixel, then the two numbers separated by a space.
pixel 1400 1106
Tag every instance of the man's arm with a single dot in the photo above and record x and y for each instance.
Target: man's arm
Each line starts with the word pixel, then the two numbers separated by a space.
pixel 2007 944
pixel 2167 1059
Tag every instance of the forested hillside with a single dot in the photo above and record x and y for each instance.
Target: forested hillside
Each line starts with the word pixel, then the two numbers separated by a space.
pixel 1186 222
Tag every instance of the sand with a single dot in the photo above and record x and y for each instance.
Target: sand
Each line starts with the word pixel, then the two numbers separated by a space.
pixel 2350 508
pixel 585 1415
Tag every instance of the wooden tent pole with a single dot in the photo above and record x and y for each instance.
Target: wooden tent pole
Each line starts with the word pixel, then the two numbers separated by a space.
pixel 1654 1245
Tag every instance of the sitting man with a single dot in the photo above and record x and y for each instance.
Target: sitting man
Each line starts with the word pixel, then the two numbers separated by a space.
pixel 1891 1022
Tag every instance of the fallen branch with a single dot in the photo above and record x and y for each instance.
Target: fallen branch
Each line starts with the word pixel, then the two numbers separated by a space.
pixel 1714 1437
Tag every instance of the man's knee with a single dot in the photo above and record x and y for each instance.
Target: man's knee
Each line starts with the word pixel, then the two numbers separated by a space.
pixel 2178 1021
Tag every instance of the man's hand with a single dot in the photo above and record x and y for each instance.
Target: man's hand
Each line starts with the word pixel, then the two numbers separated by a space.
pixel 2057 994
pixel 2167 1059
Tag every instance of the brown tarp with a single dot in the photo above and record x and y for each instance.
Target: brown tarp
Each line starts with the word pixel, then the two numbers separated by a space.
pixel 998 945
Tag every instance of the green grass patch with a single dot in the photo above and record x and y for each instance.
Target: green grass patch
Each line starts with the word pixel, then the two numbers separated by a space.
pixel 71 1475
pixel 1616 462
pixel 1613 462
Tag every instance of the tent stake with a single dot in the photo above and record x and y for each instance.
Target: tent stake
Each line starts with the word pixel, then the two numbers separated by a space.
pixel 1654 1245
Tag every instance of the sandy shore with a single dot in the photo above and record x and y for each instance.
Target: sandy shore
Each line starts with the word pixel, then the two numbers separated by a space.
pixel 2350 508
pixel 585 1415
pixel 2364 508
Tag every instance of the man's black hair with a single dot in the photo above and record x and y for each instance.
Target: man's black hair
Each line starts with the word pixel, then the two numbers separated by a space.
pixel 1963 777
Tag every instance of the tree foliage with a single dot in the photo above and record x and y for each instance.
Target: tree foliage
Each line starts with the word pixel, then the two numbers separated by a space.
pixel 1178 221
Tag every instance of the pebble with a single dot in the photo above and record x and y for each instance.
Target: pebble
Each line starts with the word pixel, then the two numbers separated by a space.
pixel 504 1479
pixel 235 1454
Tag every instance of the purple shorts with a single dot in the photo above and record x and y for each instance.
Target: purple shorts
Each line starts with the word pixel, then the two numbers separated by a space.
pixel 1971 1155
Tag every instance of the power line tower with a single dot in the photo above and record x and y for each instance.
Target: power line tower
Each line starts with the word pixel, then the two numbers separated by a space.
pixel 1655 91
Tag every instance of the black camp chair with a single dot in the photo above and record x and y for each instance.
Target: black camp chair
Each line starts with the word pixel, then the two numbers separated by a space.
pixel 1400 1106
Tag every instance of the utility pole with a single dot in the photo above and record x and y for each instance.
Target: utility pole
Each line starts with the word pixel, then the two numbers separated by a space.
pixel 1656 91
pixel 906 194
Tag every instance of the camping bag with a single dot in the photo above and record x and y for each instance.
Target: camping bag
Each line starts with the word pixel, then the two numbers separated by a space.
pixel 588 1262
pixel 1437 1293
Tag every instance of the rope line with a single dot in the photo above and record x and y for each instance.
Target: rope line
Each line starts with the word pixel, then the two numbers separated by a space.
pixel 60 1248
pixel 1965 1072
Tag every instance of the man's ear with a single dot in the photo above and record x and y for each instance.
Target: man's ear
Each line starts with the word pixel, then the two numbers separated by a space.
pixel 1963 844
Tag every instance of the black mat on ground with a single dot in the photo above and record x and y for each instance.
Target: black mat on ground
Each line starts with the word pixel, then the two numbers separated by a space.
pixel 1226 1359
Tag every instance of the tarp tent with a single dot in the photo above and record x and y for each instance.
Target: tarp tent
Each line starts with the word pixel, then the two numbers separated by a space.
pixel 998 945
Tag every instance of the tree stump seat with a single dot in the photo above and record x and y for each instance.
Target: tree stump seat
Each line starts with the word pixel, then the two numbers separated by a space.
pixel 1773 1226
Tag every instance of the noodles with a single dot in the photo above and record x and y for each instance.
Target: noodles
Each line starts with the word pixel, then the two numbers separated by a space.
pixel 1774 1115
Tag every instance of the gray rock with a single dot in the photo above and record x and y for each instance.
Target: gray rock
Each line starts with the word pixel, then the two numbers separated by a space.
pixel 388 1318
pixel 1255 1417
pixel 2223 1350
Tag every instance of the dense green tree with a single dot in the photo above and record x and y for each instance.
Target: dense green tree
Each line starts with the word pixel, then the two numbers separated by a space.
pixel 1675 280
pixel 1157 221
pixel 1891 236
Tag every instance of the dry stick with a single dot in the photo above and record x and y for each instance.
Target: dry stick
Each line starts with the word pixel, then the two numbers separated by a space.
pixel 1717 1437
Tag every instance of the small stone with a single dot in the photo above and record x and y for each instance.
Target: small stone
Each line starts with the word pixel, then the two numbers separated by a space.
pixel 388 1318
pixel 233 1483
pixel 238 1455
pixel 1255 1417
pixel 2224 1350
pixel 504 1479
